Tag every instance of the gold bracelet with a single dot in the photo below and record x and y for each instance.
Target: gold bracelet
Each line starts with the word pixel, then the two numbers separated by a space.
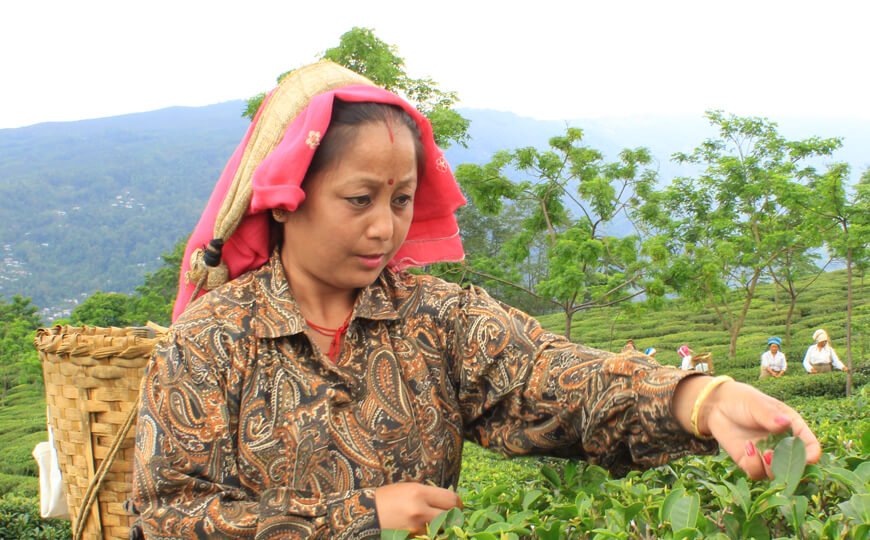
pixel 696 410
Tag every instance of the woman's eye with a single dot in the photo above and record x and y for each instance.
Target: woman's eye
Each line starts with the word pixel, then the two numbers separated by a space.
pixel 402 200
pixel 361 201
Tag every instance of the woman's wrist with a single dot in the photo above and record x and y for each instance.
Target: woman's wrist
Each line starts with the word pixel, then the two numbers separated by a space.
pixel 694 399
pixel 684 398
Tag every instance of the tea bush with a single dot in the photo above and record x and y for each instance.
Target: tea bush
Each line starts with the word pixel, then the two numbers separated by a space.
pixel 19 519
pixel 690 498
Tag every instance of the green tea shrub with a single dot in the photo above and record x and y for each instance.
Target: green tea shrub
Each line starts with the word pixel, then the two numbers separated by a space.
pixel 26 486
pixel 830 385
pixel 19 519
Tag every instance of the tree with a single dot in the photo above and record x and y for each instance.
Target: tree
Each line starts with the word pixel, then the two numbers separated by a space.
pixel 105 309
pixel 843 217
pixel 795 262
pixel 483 237
pixel 574 198
pixel 361 51
pixel 156 297
pixel 723 228
pixel 19 362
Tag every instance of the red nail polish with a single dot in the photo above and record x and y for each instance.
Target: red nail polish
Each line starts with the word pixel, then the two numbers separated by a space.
pixel 750 449
pixel 768 457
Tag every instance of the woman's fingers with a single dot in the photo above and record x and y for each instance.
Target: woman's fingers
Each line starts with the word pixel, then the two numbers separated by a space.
pixel 749 459
pixel 803 431
pixel 410 505
pixel 441 498
pixel 742 416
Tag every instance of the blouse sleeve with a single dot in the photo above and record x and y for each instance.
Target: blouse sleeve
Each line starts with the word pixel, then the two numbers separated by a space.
pixel 524 390
pixel 186 476
pixel 835 360
pixel 807 364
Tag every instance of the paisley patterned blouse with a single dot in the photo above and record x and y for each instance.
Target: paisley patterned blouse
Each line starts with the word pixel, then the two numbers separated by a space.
pixel 247 430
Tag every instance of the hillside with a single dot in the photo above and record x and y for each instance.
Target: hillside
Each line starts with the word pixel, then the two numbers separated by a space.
pixel 91 205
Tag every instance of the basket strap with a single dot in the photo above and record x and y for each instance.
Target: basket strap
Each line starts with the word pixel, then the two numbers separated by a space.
pixel 94 487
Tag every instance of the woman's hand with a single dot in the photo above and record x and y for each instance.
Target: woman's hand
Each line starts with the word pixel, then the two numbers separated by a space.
pixel 738 415
pixel 409 505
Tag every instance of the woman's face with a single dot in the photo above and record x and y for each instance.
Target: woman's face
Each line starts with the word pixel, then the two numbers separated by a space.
pixel 356 213
pixel 774 348
pixel 822 344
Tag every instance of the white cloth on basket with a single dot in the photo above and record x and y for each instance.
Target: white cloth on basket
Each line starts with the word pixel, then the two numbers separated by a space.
pixel 52 501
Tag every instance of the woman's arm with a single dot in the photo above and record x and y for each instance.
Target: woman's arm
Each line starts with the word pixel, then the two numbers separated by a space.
pixel 835 360
pixel 523 390
pixel 187 481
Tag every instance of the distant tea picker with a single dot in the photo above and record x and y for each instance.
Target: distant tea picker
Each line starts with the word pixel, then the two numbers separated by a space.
pixel 692 361
pixel 821 357
pixel 325 392
pixel 773 363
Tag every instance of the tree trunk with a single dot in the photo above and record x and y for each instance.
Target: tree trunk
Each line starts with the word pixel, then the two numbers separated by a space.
pixel 732 349
pixel 849 321
pixel 775 297
pixel 735 327
pixel 612 326
pixel 788 321
pixel 568 316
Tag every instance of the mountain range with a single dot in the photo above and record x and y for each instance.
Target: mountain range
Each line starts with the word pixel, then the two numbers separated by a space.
pixel 91 205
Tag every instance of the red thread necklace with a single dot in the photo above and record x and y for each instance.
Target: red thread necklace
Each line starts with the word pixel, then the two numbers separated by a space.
pixel 335 333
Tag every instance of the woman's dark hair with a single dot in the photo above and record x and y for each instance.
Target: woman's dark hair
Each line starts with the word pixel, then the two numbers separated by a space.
pixel 346 116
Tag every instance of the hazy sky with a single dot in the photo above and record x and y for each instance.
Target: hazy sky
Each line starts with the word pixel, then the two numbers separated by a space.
pixel 67 60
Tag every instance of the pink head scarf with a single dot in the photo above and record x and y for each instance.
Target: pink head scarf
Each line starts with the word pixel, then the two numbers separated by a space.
pixel 684 351
pixel 276 181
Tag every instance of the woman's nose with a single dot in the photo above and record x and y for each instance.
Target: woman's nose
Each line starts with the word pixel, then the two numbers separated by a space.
pixel 381 225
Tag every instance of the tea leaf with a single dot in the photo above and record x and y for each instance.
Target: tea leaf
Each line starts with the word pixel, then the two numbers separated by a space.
pixel 681 509
pixel 394 534
pixel 772 440
pixel 551 476
pixel 789 460
pixel 858 507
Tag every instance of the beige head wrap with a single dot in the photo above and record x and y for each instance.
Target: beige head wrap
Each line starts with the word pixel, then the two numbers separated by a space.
pixel 820 336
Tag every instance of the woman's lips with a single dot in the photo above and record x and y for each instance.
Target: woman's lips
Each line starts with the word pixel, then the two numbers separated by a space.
pixel 372 261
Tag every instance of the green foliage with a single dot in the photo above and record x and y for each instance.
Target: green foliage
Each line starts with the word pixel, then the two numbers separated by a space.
pixel 723 228
pixel 104 309
pixel 19 363
pixel 361 51
pixel 19 518
pixel 830 385
pixel 22 426
pixel 691 498
pixel 571 196
pixel 26 486
pixel 483 238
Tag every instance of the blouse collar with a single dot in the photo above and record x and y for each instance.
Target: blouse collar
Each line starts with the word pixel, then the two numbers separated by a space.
pixel 277 314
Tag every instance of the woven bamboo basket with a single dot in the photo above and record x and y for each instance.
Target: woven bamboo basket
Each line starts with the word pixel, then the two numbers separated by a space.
pixel 703 358
pixel 92 377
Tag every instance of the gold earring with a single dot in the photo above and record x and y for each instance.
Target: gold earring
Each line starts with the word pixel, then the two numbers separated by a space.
pixel 279 215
